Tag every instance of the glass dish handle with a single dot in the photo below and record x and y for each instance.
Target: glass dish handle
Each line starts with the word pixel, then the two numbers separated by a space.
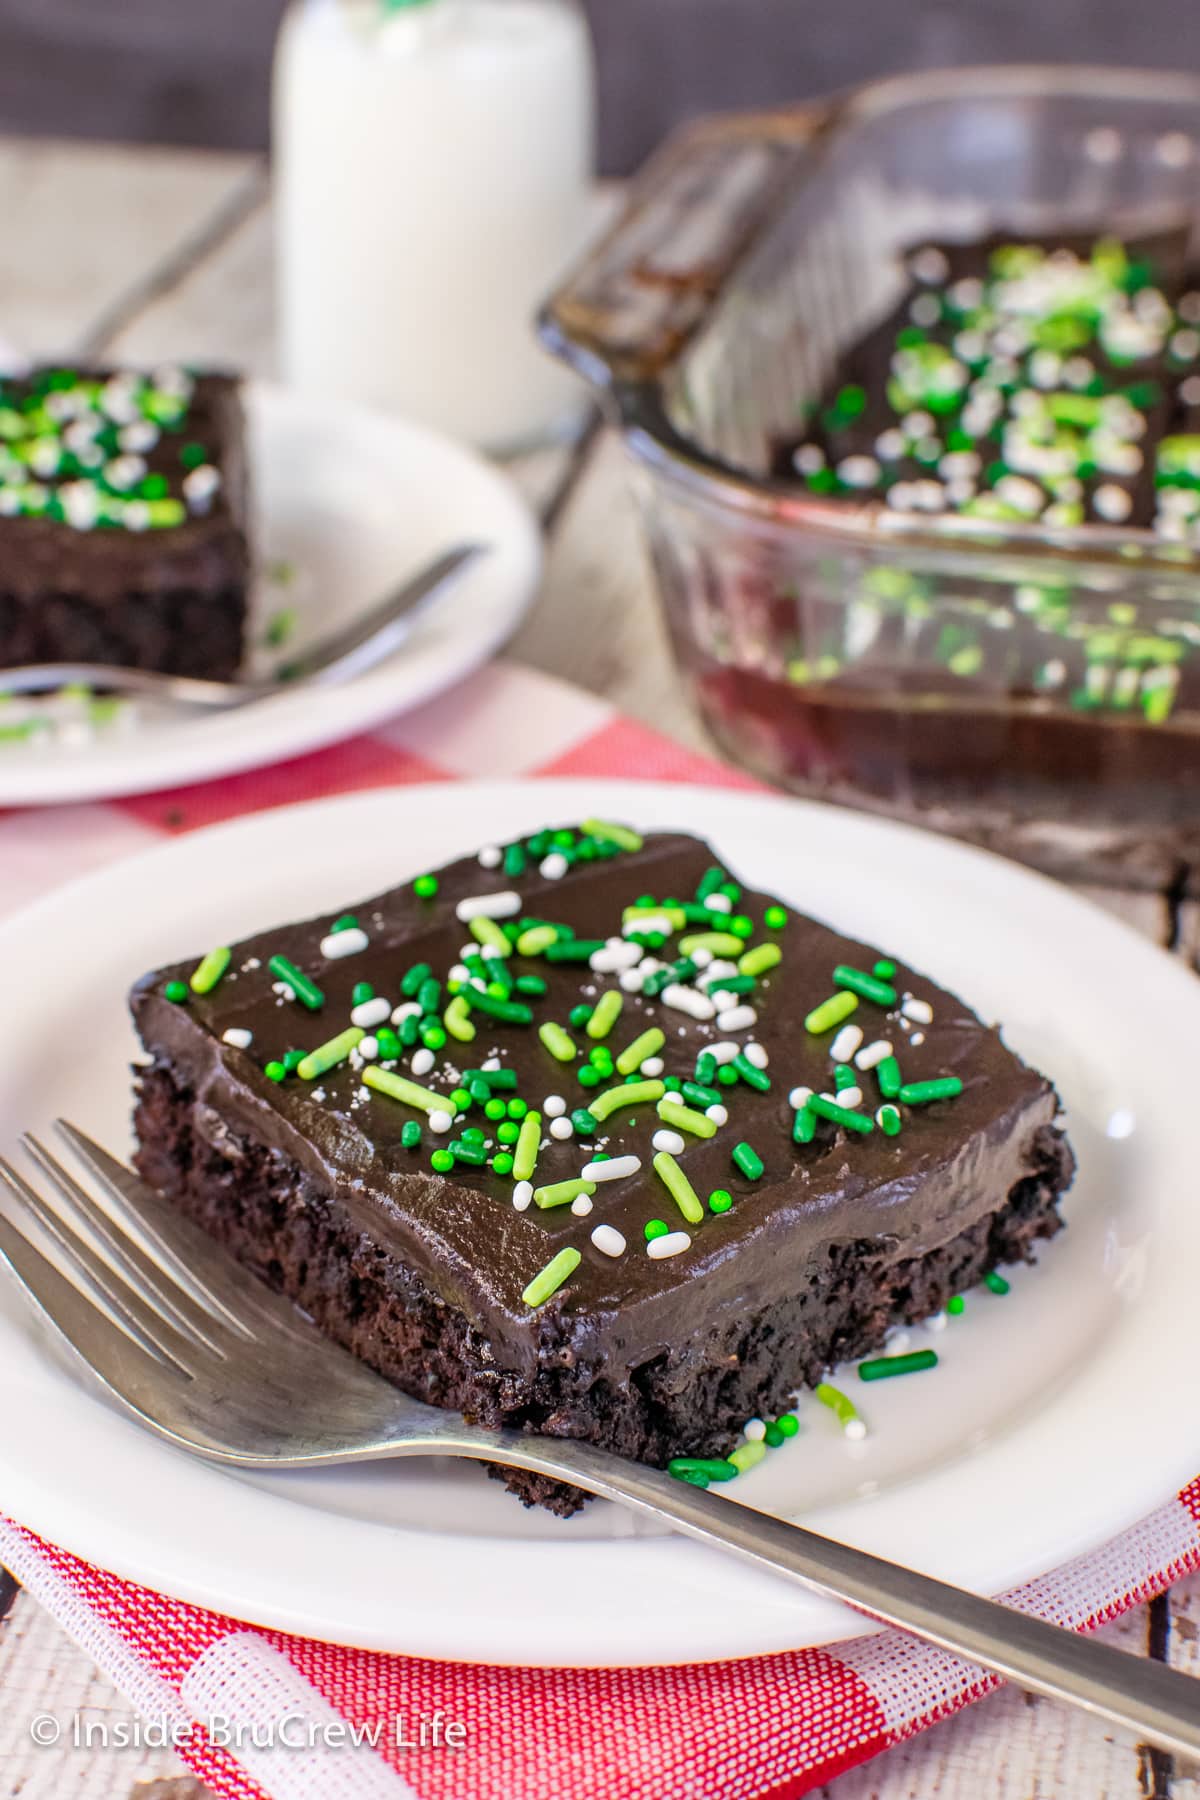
pixel 624 314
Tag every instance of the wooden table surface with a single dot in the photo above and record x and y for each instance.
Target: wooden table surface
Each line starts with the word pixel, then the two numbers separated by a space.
pixel 148 254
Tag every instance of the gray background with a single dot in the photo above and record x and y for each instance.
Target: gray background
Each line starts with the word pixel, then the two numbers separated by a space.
pixel 196 71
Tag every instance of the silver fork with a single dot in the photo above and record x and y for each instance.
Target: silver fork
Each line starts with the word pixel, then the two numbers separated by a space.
pixel 350 650
pixel 212 1360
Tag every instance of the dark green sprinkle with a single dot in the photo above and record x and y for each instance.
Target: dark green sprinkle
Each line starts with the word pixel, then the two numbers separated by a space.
pixel 410 1136
pixel 579 1016
pixel 994 1280
pixel 881 1368
pixel 706 1067
pixel 772 1435
pixel 347 922
pixel 694 1477
pixel 515 861
pixel 363 991
pixel 275 1071
pixel 513 1012
pixel 530 984
pixel 410 981
pixel 710 882
pixel 429 995
pixel 292 1060
pixel 887 1074
pixel 753 1077
pixel 176 991
pixel 747 1162
pixel 920 1093
pixel 712 1468
pixel 389 1044
pixel 481 1093
pixel 505 1079
pixel 867 987
pixel 735 984
pixel 588 1075
pixel 698 1095
pixel 573 950
pixel 467 1152
pixel 410 1030
pixel 727 1075
pixel 840 1115
pixel 306 991
pixel 804 1126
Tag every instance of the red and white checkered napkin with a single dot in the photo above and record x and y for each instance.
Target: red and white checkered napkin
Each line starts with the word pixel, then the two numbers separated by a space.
pixel 766 1728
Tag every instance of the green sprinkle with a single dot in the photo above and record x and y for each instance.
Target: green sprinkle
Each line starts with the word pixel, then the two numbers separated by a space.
pixel 433 1035
pixel 775 918
pixel 684 1119
pixel 275 1071
pixel 517 1108
pixel 919 1093
pixel 573 950
pixel 840 1115
pixel 515 862
pixel 548 1281
pixel 882 1368
pixel 457 1020
pixel 442 1161
pixel 747 1162
pixel 842 1407
pixel 589 1076
pixel 698 1095
pixel 561 1193
pixel 956 1305
pixel 831 1012
pixel 530 984
pixel 844 1077
pixel 720 1200
pixel 706 1068
pixel 425 887
pixel 705 1468
pixel 466 1150
pixel 747 1455
pixel 884 970
pixel 398 1087
pixel 429 995
pixel 557 1042
pixel 502 1163
pixel 752 1076
pixel 492 1109
pixel 529 1143
pixel 994 1280
pixel 655 1228
pixel 210 970
pixel 788 1423
pixel 537 940
pixel 869 987
pixel 347 922
pixel 331 1055
pixel 772 1435
pixel 758 960
pixel 508 1132
pixel 306 991
pixel 889 1121
pixel 486 931
pixel 584 1121
pixel 578 1016
pixel 410 1137
pixel 634 1055
pixel 636 1093
pixel 292 1060
pixel 511 1012
pixel 176 991
pixel 606 1013
pixel 608 833
pixel 887 1074
pixel 678 1186
pixel 362 992
pixel 804 1126
pixel 710 882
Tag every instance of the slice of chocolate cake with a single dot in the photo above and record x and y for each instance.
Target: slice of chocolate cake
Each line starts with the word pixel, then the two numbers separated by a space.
pixel 123 520
pixel 581 1136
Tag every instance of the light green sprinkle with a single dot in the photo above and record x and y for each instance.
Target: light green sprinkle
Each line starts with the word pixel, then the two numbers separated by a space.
pixel 536 940
pixel 759 959
pixel 557 1042
pixel 635 1054
pixel 457 1020
pixel 560 1268
pixel 608 833
pixel 330 1055
pixel 486 931
pixel 674 915
pixel 684 1118
pixel 210 970
pixel 529 1142
pixel 630 1093
pixel 831 1012
pixel 561 1193
pixel 721 943
pixel 606 1013
pixel 679 1187
pixel 843 1409
pixel 410 1093
pixel 747 1455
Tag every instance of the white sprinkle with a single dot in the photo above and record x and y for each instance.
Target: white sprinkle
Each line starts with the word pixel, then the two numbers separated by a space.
pixel 719 971
pixel 561 1128
pixel 199 485
pixel 283 990
pixel 440 1121
pixel 611 1168
pixel 670 1141
pixel 687 1000
pixel 488 906
pixel 492 1062
pixel 344 943
pixel 929 264
pixel 799 1096
pixel 1112 502
pixel 581 1206
pixel 898 1343
pixel 936 1322
pixel 724 1051
pixel 422 1061
pixel 522 1195
pixel 554 866
pixel 891 444
pixel 917 1039
pixel 459 973
pixel 490 857
pixel 630 981
pixel 736 1018
pixel 858 471
pixel 717 1113
pixel 754 1431
pixel 873 1054
pixel 846 1043
pixel 617 954
pixel 657 922
pixel 608 1240
pixel 756 1054
pixel 926 309
pixel 919 1011
pixel 850 1096
pixel 855 1430
pixel 554 1106
pixel 368 1048
pixel 408 1008
pixel 371 1013
pixel 652 1067
pixel 719 903
pixel 239 1038
pixel 808 459
pixel 701 957
pixel 673 1244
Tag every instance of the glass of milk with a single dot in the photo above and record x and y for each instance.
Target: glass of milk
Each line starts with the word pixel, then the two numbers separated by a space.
pixel 433 166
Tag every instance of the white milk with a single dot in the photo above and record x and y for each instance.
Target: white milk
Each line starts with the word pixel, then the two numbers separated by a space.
pixel 433 169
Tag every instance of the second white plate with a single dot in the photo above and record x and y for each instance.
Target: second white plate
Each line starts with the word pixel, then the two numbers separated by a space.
pixel 1058 1415
pixel 349 503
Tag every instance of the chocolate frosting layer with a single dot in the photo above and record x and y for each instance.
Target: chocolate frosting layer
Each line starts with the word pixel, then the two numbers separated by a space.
pixel 954 1160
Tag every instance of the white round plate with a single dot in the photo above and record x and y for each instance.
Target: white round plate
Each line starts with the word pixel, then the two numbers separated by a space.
pixel 348 504
pixel 1059 1414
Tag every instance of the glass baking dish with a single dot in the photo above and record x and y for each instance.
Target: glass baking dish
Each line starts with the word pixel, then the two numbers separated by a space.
pixel 1031 687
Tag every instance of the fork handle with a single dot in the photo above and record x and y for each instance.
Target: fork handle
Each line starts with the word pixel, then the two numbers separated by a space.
pixel 1156 1704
